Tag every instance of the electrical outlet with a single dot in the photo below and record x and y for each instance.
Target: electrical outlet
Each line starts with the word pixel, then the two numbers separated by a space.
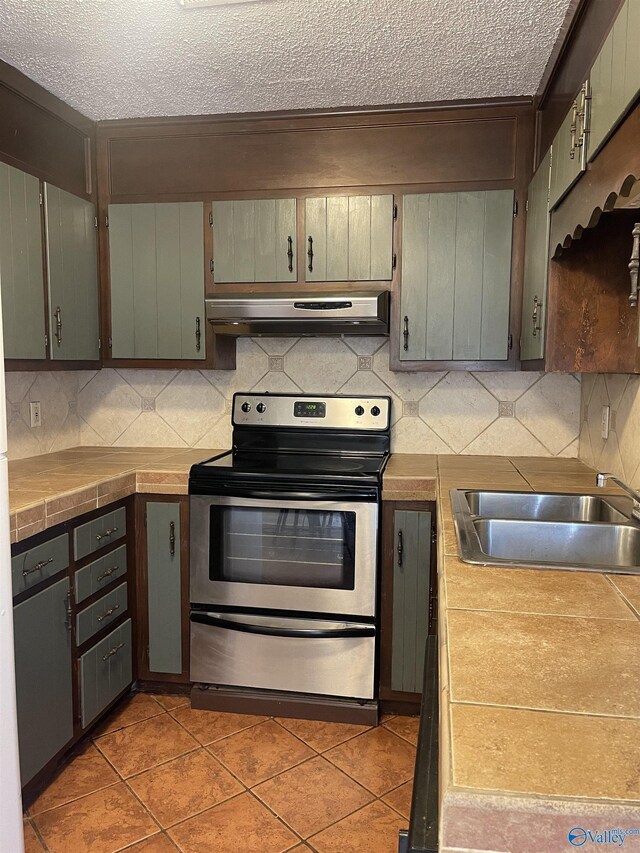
pixel 606 422
pixel 35 413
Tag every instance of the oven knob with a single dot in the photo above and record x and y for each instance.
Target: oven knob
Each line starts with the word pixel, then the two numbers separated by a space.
pixel 375 411
pixel 246 407
pixel 261 408
pixel 359 410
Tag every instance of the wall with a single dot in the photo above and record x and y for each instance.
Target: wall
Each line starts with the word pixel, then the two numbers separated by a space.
pixel 495 413
pixel 620 453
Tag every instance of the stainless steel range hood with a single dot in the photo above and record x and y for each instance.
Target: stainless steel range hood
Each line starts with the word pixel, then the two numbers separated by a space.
pixel 357 313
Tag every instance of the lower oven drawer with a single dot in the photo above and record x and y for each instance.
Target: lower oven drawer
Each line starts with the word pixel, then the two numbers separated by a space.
pixel 288 654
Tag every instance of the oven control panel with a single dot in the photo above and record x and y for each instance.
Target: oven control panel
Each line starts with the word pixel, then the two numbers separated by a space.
pixel 317 412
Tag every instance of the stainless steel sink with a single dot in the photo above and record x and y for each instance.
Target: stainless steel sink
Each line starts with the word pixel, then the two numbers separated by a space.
pixel 574 532
pixel 548 507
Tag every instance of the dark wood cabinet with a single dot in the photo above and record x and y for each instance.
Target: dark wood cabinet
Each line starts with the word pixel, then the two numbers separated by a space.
pixel 408 600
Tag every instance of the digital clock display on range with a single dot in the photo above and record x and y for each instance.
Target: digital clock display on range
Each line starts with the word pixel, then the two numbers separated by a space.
pixel 306 409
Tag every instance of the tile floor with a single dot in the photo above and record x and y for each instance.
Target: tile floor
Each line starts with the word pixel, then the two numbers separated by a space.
pixel 158 776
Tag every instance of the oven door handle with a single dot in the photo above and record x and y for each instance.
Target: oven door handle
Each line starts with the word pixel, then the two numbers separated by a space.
pixel 275 494
pixel 217 621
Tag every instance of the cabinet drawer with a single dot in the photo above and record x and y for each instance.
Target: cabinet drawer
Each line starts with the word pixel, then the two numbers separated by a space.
pixel 95 534
pixel 39 563
pixel 101 613
pixel 99 574
pixel 105 671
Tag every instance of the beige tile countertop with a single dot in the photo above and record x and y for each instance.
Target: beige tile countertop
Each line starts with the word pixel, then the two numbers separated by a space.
pixel 540 685
pixel 540 670
pixel 52 488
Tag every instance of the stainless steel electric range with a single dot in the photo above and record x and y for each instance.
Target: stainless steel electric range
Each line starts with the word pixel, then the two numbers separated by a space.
pixel 284 547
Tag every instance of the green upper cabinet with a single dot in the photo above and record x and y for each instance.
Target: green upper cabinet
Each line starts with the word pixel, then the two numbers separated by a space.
pixel 72 266
pixel 254 240
pixel 349 238
pixel 569 148
pixel 456 276
pixel 536 261
pixel 156 254
pixel 615 75
pixel 21 272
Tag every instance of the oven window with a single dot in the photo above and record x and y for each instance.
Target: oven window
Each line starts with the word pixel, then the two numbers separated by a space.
pixel 287 547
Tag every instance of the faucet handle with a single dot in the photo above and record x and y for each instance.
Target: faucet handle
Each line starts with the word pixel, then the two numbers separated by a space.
pixel 601 479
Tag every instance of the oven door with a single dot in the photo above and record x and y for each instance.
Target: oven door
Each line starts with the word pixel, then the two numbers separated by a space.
pixel 306 554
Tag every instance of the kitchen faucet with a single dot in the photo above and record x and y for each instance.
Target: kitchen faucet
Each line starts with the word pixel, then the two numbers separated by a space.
pixel 602 480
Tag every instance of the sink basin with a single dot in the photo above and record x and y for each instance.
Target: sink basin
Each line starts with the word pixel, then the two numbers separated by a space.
pixel 546 531
pixel 614 547
pixel 546 507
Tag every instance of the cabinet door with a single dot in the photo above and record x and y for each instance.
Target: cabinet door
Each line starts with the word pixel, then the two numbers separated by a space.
pixel 43 677
pixel 568 160
pixel 164 587
pixel 456 276
pixel 615 76
pixel 411 596
pixel 349 238
pixel 156 254
pixel 23 312
pixel 254 240
pixel 536 261
pixel 72 265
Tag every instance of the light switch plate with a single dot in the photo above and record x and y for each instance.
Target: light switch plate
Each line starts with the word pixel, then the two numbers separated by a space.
pixel 606 422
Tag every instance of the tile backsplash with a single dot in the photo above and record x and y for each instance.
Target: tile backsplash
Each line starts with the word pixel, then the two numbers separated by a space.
pixel 515 413
pixel 620 452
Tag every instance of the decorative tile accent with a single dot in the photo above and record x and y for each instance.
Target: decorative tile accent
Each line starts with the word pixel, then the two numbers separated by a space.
pixel 365 362
pixel 506 410
pixel 276 362
pixel 148 404
pixel 410 409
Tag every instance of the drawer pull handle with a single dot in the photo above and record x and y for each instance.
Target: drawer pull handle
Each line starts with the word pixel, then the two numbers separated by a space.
pixel 38 567
pixel 108 612
pixel 113 651
pixel 172 538
pixel 198 334
pixel 400 548
pixel 405 334
pixel 107 532
pixel 107 573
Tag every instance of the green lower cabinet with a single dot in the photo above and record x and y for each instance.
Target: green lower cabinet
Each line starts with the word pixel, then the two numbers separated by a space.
pixel 43 677
pixel 105 671
pixel 412 596
pixel 164 587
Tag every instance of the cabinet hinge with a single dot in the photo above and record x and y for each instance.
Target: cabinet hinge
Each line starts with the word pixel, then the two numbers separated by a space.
pixel 41 199
pixel 395 212
pixel 211 265
pixel 515 209
pixel 106 222
pixel 110 343
pixel 510 342
pixel 99 343
pixel 95 221
pixel 526 206
pixel 395 261
pixel 211 219
pixel 434 535
pixel 46 340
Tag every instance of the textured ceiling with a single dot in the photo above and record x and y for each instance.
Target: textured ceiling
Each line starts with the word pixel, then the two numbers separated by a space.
pixel 130 58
